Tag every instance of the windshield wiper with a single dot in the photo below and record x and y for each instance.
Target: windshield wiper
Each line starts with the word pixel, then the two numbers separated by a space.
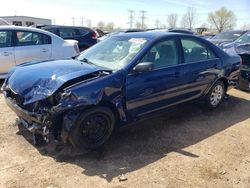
pixel 85 60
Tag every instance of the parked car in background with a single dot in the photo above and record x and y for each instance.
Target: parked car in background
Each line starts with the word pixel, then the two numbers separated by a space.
pixel 175 30
pixel 116 82
pixel 244 78
pixel 22 44
pixel 239 46
pixel 226 37
pixel 181 30
pixel 86 37
pixel 99 32
pixel 120 32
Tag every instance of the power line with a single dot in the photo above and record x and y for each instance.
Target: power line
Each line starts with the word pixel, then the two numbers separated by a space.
pixel 131 18
pixel 143 17
pixel 81 21
pixel 73 21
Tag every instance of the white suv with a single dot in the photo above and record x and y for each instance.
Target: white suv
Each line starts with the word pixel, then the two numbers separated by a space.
pixel 23 44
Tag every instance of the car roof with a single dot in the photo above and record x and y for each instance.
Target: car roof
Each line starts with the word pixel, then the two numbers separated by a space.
pixel 235 31
pixel 63 26
pixel 22 28
pixel 151 35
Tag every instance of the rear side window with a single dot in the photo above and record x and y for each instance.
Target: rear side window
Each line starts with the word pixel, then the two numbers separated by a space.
pixel 5 39
pixel 52 30
pixel 25 38
pixel 67 32
pixel 82 32
pixel 195 51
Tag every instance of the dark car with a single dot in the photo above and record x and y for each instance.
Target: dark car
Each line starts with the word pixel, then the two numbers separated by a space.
pixel 86 37
pixel 120 32
pixel 244 78
pixel 239 46
pixel 226 37
pixel 242 47
pixel 117 82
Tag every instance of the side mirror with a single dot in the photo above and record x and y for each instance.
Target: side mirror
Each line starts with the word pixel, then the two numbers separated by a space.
pixel 143 67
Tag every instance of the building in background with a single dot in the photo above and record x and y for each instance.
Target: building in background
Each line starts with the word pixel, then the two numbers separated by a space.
pixel 24 20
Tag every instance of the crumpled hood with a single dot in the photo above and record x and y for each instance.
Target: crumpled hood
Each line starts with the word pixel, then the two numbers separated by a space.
pixel 37 80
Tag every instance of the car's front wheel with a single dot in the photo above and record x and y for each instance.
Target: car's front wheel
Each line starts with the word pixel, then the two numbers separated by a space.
pixel 93 128
pixel 215 95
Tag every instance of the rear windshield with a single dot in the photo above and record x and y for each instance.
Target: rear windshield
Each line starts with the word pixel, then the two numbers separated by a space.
pixel 227 36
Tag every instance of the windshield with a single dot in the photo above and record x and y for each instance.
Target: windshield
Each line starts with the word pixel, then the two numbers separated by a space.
pixel 227 36
pixel 113 53
pixel 244 38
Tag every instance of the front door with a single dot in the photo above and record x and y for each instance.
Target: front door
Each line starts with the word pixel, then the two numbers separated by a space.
pixel 153 90
pixel 32 46
pixel 7 60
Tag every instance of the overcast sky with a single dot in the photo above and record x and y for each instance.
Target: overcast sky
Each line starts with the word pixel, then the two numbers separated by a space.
pixel 62 11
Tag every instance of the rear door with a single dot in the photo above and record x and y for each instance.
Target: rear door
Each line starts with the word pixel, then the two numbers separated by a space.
pixel 7 60
pixel 30 46
pixel 200 66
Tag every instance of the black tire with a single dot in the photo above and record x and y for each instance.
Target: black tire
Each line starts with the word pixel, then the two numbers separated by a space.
pixel 215 95
pixel 93 128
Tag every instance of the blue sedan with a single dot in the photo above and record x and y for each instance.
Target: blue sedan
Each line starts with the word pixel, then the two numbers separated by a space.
pixel 116 82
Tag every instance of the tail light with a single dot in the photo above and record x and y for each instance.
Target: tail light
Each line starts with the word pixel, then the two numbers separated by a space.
pixel 94 35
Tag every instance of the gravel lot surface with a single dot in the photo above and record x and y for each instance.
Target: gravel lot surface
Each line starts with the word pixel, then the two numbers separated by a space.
pixel 192 147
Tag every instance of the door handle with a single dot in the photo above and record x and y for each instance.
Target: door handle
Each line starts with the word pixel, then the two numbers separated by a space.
pixel 44 50
pixel 6 53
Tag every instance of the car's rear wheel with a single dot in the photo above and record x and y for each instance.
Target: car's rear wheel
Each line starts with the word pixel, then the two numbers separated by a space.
pixel 215 95
pixel 93 128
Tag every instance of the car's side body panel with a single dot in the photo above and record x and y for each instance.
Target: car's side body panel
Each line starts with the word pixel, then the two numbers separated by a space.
pixel 130 95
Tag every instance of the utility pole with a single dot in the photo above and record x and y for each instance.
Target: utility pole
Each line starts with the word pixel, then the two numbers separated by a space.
pixel 131 18
pixel 143 18
pixel 73 21
pixel 81 21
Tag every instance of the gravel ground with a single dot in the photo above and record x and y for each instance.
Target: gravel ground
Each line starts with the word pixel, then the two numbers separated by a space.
pixel 192 147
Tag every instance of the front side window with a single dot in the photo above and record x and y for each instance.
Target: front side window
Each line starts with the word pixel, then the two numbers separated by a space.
pixel 5 39
pixel 25 38
pixel 195 51
pixel 114 52
pixel 163 54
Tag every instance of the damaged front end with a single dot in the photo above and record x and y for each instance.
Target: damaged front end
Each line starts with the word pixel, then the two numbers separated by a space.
pixel 43 108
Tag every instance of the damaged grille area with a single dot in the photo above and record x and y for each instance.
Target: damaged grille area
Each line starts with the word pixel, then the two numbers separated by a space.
pixel 18 99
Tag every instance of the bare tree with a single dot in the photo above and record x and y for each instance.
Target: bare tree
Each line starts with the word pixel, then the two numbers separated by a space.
pixel 222 19
pixel 157 23
pixel 139 25
pixel 100 25
pixel 246 27
pixel 189 18
pixel 172 20
pixel 89 23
